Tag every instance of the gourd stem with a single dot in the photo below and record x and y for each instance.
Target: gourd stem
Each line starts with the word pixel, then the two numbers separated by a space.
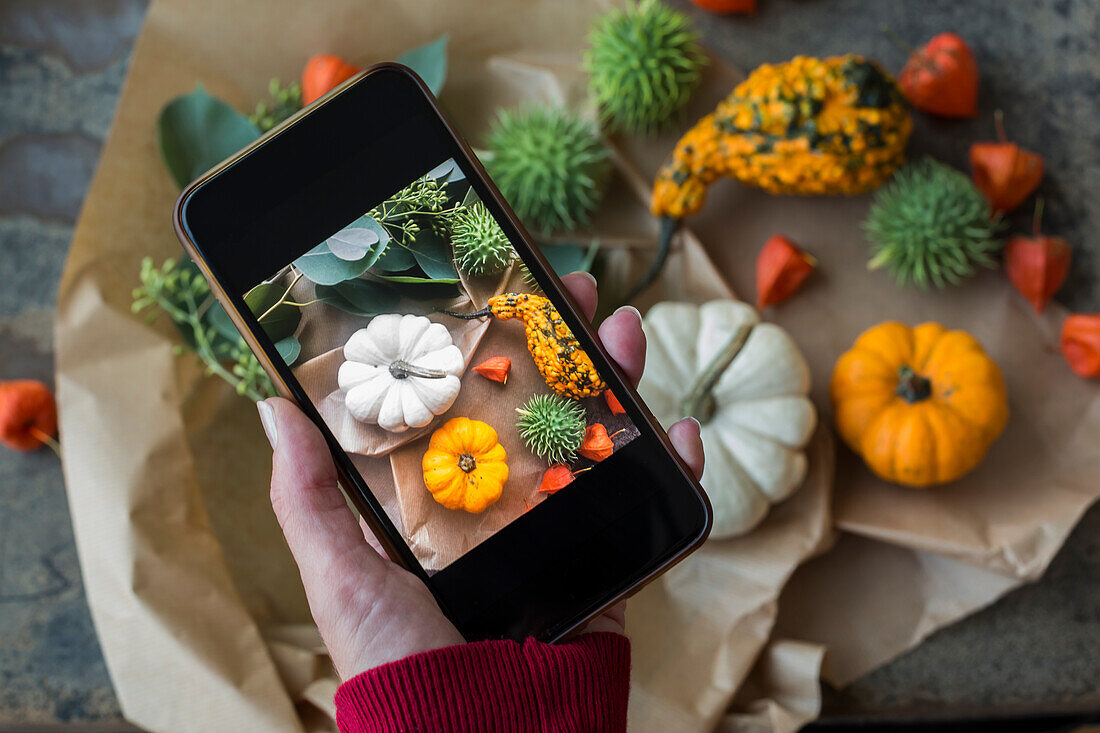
pixel 466 462
pixel 467 316
pixel 664 246
pixel 699 402
pixel 912 387
pixel 402 369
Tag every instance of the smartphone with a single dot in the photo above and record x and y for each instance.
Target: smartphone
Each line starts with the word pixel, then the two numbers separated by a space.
pixel 374 269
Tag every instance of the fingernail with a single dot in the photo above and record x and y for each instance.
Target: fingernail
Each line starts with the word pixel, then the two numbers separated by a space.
pixel 267 419
pixel 698 425
pixel 589 275
pixel 630 308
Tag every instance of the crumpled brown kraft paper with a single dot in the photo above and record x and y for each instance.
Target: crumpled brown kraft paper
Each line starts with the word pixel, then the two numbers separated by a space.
pixel 781 693
pixel 192 591
pixel 195 598
pixel 956 548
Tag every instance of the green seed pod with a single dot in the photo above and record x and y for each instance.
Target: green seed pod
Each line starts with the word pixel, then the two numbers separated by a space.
pixel 285 101
pixel 931 224
pixel 480 247
pixel 552 426
pixel 643 62
pixel 550 165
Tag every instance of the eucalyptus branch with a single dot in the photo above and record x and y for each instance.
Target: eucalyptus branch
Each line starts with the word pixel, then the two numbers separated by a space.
pixel 282 298
pixel 185 297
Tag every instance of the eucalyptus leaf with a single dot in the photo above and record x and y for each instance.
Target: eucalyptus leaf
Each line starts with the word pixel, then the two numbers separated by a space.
pixel 359 297
pixel 417 280
pixel 442 170
pixel 352 243
pixel 197 131
pixel 423 290
pixel 395 259
pixel 219 319
pixel 289 348
pixel 458 191
pixel 433 254
pixel 322 267
pixel 448 171
pixel 430 62
pixel 278 321
pixel 567 258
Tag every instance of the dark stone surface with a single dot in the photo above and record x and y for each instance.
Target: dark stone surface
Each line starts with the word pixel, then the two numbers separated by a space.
pixel 61 69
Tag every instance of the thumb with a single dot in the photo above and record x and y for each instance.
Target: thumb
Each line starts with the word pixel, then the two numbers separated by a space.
pixel 323 535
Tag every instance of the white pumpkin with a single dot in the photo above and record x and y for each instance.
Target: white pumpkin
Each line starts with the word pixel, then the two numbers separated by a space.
pixel 400 372
pixel 747 384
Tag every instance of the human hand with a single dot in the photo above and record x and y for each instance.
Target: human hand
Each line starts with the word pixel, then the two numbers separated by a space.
pixel 370 610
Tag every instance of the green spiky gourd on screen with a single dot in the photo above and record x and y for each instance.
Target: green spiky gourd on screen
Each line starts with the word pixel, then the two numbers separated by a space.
pixel 552 427
pixel 480 247
pixel 550 165
pixel 931 224
pixel 643 62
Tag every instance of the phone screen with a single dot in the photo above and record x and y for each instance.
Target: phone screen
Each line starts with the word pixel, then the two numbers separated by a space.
pixel 440 366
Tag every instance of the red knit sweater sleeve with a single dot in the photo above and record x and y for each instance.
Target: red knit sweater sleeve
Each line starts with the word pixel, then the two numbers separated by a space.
pixel 494 686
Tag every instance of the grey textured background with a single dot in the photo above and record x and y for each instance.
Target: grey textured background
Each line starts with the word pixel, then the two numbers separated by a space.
pixel 61 68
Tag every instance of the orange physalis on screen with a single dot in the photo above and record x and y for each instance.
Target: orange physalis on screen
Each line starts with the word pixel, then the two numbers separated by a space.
pixel 613 403
pixel 555 479
pixel 597 444
pixel 496 369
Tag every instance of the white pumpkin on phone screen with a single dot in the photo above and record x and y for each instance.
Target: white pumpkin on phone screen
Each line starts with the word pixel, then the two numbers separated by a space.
pixel 747 384
pixel 400 372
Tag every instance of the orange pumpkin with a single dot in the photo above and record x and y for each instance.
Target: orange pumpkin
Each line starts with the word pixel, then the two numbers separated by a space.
pixel 921 405
pixel 465 467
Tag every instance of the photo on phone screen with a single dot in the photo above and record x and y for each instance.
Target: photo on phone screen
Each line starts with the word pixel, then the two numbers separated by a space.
pixel 440 366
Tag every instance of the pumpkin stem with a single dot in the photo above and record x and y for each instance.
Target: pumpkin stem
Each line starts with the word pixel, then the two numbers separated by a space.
pixel 467 316
pixel 699 402
pixel 912 387
pixel 467 462
pixel 402 369
pixel 664 245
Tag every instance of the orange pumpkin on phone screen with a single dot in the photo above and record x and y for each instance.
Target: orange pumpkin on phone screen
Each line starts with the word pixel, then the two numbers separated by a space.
pixel 465 467
pixel 920 405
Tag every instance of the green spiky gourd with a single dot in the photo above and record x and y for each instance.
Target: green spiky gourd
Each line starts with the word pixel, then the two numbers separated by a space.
pixel 643 62
pixel 480 247
pixel 552 427
pixel 931 224
pixel 550 165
